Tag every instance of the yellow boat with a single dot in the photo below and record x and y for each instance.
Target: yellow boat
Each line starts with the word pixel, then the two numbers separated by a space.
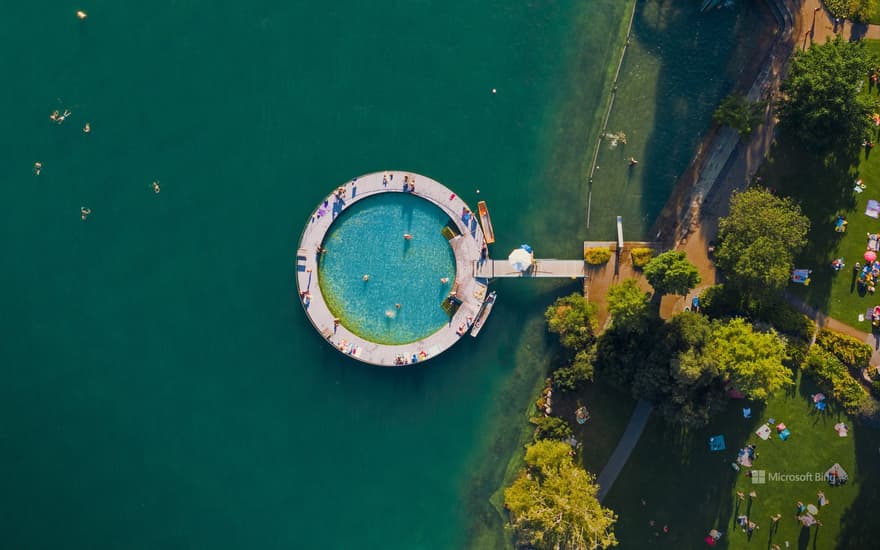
pixel 486 222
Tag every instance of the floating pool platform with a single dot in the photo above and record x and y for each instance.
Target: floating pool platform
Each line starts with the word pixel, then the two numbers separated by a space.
pixel 468 290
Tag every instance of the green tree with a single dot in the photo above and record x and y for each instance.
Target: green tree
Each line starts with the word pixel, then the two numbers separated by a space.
pixel 857 10
pixel 553 504
pixel 550 427
pixel 751 361
pixel 758 242
pixel 573 318
pixel 696 388
pixel 740 114
pixel 672 273
pixel 579 370
pixel 627 301
pixel 821 105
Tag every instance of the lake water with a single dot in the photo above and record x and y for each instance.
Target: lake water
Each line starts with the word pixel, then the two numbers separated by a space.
pixel 162 386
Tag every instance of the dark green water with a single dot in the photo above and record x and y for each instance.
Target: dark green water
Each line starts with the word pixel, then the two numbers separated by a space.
pixel 162 387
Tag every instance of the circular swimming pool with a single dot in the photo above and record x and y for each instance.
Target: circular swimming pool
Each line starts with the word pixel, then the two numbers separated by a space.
pixel 382 286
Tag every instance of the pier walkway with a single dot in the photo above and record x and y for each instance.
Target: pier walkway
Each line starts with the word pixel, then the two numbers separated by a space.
pixel 571 269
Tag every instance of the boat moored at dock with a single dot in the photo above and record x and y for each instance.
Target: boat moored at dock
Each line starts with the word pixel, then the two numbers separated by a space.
pixel 483 314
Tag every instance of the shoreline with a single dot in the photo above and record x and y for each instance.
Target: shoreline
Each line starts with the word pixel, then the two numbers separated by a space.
pixel 696 187
pixel 679 211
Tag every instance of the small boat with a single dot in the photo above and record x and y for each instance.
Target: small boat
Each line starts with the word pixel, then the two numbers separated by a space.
pixel 486 222
pixel 483 314
pixel 709 4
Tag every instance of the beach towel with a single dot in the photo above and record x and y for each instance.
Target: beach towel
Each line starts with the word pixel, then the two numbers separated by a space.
pixel 716 443
pixel 873 209
pixel 873 242
pixel 800 275
pixel 764 432
pixel 784 434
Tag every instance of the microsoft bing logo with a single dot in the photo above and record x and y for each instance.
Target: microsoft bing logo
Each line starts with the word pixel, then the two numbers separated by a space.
pixel 759 477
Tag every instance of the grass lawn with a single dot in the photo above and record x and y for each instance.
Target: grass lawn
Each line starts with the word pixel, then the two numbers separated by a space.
pixel 693 490
pixel 824 192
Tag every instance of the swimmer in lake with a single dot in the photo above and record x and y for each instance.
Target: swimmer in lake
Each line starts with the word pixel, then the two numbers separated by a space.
pixel 37 167
pixel 87 128
pixel 156 188
pixel 633 161
pixel 85 212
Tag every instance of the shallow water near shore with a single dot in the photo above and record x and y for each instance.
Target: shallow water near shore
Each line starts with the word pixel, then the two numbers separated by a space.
pixel 163 387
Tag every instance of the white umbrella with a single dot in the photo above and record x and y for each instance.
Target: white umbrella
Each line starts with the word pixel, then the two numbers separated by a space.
pixel 520 259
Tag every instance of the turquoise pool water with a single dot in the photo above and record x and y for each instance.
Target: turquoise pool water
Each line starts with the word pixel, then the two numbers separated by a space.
pixel 368 239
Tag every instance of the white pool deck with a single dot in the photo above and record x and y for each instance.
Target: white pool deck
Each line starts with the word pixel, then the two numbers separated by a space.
pixel 466 248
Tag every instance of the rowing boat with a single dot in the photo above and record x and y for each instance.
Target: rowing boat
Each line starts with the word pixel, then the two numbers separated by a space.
pixel 486 222
pixel 483 314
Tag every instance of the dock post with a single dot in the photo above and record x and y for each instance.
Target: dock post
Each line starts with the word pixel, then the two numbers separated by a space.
pixel 619 232
pixel 619 245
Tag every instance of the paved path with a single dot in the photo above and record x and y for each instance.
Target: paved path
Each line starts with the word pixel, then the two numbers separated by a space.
pixel 625 446
pixel 817 24
pixel 466 248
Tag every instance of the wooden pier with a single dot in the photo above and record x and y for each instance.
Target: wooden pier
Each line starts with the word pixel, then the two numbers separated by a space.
pixel 568 269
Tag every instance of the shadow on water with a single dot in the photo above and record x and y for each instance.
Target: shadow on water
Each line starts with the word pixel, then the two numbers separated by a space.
pixel 678 67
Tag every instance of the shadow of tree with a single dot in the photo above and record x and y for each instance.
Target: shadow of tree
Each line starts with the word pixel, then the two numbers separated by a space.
pixel 822 188
pixel 859 527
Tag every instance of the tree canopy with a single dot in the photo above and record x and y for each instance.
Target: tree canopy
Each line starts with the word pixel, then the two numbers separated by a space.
pixel 626 301
pixel 573 319
pixel 684 366
pixel 857 10
pixel 740 114
pixel 752 361
pixel 759 240
pixel 553 504
pixel 672 273
pixel 821 105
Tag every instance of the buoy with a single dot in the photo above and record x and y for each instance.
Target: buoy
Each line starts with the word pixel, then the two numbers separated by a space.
pixel 494 90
